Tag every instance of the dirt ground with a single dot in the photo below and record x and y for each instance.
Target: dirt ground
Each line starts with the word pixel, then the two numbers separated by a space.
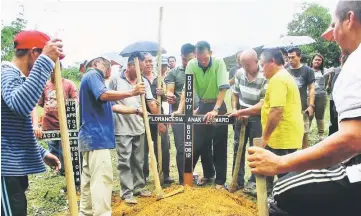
pixel 193 201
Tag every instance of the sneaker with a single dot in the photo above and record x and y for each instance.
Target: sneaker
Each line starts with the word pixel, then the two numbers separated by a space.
pixel 204 181
pixel 250 189
pixel 168 180
pixel 130 200
pixel 143 193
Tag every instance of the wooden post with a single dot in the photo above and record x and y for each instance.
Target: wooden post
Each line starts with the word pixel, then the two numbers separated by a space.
pixel 261 185
pixel 153 161
pixel 159 98
pixel 69 175
pixel 234 184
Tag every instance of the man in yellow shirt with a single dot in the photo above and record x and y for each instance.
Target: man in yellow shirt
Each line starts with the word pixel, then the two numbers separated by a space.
pixel 281 116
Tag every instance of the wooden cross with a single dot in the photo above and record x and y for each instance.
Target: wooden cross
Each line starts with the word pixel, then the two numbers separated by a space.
pixel 188 119
pixel 72 122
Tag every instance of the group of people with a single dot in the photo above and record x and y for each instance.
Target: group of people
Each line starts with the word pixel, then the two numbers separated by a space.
pixel 276 99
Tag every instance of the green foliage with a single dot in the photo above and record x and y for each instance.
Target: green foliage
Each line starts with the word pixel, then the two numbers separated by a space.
pixel 7 37
pixel 313 21
pixel 72 73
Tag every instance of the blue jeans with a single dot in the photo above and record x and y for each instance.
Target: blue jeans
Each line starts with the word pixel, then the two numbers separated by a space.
pixel 56 149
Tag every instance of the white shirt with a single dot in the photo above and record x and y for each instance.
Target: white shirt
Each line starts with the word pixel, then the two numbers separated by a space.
pixel 347 97
pixel 347 90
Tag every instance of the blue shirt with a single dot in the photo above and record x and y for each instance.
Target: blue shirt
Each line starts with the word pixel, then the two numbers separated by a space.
pixel 96 116
pixel 21 155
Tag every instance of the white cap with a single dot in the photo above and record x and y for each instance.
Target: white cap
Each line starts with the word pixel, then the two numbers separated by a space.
pixel 91 59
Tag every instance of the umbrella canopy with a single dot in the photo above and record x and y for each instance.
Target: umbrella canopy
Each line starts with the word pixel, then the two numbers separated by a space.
pixel 290 41
pixel 142 46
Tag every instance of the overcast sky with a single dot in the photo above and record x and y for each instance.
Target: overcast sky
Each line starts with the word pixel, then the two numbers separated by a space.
pixel 89 28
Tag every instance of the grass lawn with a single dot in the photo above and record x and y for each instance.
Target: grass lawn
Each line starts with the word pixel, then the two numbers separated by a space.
pixel 46 196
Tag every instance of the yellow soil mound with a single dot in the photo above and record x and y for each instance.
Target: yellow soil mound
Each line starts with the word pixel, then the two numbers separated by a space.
pixel 193 202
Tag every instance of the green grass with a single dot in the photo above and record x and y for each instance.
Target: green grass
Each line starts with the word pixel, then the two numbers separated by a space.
pixel 46 197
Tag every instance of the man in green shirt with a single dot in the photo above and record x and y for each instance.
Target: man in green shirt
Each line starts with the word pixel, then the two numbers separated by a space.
pixel 210 84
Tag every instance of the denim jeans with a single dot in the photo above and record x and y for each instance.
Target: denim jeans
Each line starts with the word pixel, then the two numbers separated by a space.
pixel 56 149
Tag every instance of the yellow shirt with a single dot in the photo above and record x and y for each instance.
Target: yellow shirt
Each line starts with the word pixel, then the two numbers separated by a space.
pixel 282 91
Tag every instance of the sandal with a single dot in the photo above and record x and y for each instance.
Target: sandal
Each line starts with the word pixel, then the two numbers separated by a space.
pixel 221 187
pixel 204 181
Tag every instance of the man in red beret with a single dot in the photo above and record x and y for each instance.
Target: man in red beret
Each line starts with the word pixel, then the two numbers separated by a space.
pixel 22 82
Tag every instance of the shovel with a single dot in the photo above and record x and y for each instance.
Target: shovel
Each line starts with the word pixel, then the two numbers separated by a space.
pixel 234 184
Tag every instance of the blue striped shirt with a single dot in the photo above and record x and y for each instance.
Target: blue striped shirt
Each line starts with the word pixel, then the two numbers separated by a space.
pixel 20 153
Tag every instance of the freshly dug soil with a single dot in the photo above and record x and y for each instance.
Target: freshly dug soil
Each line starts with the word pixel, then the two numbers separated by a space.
pixel 194 201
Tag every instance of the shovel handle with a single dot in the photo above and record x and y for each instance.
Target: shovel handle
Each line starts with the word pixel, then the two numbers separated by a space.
pixel 153 161
pixel 261 186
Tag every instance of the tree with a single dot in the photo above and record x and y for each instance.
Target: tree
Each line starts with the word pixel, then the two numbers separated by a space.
pixel 7 36
pixel 72 74
pixel 313 21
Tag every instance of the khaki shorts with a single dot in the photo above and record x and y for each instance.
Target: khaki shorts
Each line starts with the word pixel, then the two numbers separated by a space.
pixel 306 122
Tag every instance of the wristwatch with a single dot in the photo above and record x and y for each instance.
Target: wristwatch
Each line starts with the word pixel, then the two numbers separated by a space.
pixel 216 108
pixel 311 105
pixel 137 111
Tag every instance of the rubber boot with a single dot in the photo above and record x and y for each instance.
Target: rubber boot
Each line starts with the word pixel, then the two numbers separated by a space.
pixel 321 129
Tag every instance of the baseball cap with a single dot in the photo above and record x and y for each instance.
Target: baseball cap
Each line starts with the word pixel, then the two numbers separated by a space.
pixel 87 63
pixel 30 39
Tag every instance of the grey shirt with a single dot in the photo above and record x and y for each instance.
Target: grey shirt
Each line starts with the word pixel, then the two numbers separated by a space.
pixel 303 76
pixel 129 124
pixel 320 83
pixel 249 93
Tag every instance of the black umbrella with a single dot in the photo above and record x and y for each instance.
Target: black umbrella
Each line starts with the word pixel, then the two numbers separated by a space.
pixel 142 46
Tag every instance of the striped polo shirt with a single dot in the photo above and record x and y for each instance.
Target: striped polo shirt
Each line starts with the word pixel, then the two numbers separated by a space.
pixel 249 93
pixel 20 153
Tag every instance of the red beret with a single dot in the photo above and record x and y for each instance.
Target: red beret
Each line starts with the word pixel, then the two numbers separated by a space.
pixel 328 34
pixel 30 39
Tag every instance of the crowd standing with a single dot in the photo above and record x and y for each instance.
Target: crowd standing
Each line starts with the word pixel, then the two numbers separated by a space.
pixel 276 94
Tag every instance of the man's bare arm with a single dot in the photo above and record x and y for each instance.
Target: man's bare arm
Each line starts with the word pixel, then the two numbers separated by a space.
pixel 220 97
pixel 34 117
pixel 232 81
pixel 274 118
pixel 182 102
pixel 112 95
pixel 235 101
pixel 122 109
pixel 253 110
pixel 311 90
pixel 340 146
pixel 153 106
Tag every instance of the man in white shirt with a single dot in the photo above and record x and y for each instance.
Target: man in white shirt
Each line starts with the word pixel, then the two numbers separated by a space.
pixel 326 178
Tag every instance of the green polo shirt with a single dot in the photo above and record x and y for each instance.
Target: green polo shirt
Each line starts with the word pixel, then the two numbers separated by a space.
pixel 208 81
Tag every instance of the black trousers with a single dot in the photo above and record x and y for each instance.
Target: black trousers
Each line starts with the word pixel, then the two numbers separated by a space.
pixel 210 143
pixel 279 152
pixel 253 130
pixel 13 199
pixel 178 133
pixel 165 151
pixel 325 192
pixel 333 118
